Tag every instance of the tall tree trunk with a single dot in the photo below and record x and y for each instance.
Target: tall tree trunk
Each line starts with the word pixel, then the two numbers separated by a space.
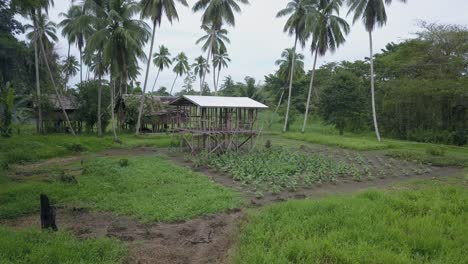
pixel 217 79
pixel 99 121
pixel 310 92
pixel 208 63
pixel 81 66
pixel 156 80
pixel 214 79
pixel 67 76
pixel 177 75
pixel 55 87
pixel 290 86
pixel 112 88
pixel 38 85
pixel 374 113
pixel 142 99
pixel 276 109
pixel 201 86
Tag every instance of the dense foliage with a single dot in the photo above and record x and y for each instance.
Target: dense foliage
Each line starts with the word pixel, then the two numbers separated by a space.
pixel 88 103
pixel 421 88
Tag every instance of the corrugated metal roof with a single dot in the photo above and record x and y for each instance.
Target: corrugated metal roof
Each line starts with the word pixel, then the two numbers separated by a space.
pixel 221 101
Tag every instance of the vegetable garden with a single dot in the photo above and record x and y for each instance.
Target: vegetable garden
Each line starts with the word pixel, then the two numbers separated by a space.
pixel 281 169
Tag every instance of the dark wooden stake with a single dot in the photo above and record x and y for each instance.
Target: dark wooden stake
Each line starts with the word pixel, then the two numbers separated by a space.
pixel 47 214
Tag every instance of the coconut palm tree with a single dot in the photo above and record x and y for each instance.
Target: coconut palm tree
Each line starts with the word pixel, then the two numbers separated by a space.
pixel 67 24
pixel 99 67
pixel 215 14
pixel 76 27
pixel 295 25
pixel 46 28
pixel 120 38
pixel 46 60
pixel 213 41
pixel 29 10
pixel 161 60
pixel 200 68
pixel 372 13
pixel 218 12
pixel 70 67
pixel 181 67
pixel 155 9
pixel 328 33
pixel 221 60
pixel 285 63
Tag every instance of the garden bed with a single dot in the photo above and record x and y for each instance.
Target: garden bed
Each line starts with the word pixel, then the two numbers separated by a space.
pixel 281 173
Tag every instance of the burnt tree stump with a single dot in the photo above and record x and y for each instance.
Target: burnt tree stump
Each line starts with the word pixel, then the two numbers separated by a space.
pixel 47 214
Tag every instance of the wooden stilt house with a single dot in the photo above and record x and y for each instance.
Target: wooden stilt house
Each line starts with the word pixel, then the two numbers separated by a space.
pixel 216 123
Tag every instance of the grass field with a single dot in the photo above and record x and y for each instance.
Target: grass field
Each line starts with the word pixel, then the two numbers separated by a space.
pixel 149 188
pixel 34 246
pixel 29 147
pixel 424 222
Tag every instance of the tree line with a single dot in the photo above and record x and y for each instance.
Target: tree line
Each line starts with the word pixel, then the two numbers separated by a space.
pixel 111 34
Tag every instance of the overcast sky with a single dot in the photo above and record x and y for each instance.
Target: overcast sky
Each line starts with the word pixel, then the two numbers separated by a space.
pixel 257 39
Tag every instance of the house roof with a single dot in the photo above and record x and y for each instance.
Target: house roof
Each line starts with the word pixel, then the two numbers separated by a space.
pixel 162 99
pixel 69 102
pixel 218 101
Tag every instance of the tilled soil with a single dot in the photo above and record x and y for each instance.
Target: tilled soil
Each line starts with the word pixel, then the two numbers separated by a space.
pixel 385 170
pixel 202 240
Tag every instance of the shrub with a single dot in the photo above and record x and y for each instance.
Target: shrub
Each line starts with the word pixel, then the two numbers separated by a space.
pixel 435 151
pixel 268 144
pixel 76 147
pixel 123 162
pixel 460 137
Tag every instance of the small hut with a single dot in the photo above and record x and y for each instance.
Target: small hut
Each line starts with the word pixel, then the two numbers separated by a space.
pixel 156 112
pixel 53 119
pixel 216 123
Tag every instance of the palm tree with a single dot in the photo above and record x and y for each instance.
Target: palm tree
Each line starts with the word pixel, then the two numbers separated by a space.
pixel 221 60
pixel 120 38
pixel 181 67
pixel 372 13
pixel 30 9
pixel 327 32
pixel 67 23
pixel 76 27
pixel 155 9
pixel 45 29
pixel 285 63
pixel 295 25
pixel 215 14
pixel 213 41
pixel 99 67
pixel 218 12
pixel 70 67
pixel 200 68
pixel 161 60
pixel 46 60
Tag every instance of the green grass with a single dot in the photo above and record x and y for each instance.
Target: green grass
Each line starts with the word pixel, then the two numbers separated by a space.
pixel 28 147
pixel 347 142
pixel 422 223
pixel 150 188
pixel 34 246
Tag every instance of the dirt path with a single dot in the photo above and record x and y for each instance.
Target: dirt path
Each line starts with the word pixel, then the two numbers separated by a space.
pixel 202 240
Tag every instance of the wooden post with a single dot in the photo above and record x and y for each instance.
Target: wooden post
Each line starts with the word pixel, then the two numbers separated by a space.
pixel 47 214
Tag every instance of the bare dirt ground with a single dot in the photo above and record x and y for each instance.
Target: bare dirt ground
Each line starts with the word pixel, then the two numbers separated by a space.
pixel 208 239
pixel 202 240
